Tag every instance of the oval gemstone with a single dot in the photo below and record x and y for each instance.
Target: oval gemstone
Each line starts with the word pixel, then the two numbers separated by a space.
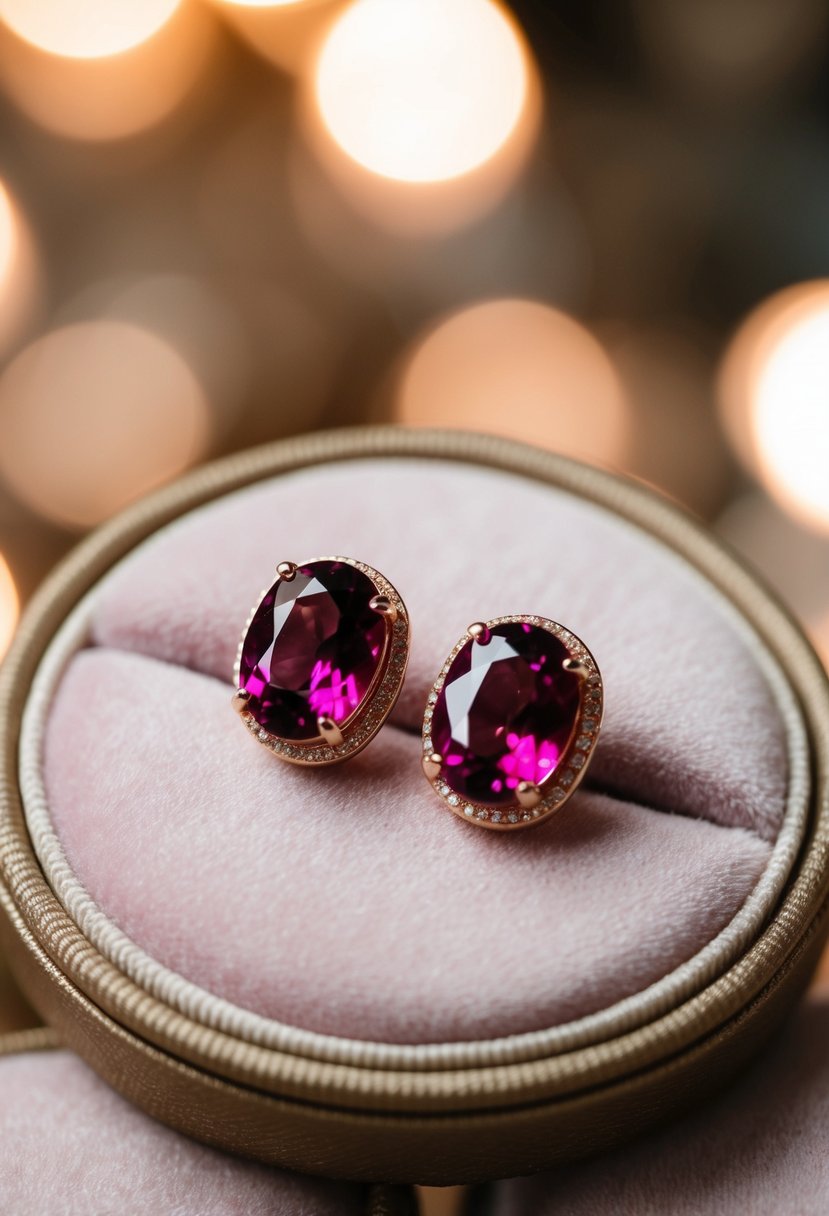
pixel 505 713
pixel 312 649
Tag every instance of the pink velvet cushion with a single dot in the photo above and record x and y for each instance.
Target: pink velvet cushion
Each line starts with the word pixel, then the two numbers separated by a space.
pixel 72 1146
pixel 348 901
pixel 759 1150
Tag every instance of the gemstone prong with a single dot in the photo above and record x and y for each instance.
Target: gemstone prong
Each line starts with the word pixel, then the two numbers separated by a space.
pixel 329 730
pixel 431 764
pixel 383 605
pixel 577 666
pixel 479 633
pixel 528 794
pixel 240 699
pixel 287 571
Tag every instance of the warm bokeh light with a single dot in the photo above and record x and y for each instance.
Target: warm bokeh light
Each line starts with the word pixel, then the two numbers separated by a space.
pixel 110 96
pixel 422 113
pixel 520 368
pixel 774 390
pixel 421 90
pixel 86 29
pixel 285 32
pixel 8 235
pixel 94 415
pixel 20 278
pixel 9 606
pixel 265 3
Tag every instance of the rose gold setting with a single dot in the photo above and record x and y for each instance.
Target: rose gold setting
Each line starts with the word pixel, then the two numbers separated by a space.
pixel 431 764
pixel 534 804
pixel 339 741
pixel 479 633
pixel 384 606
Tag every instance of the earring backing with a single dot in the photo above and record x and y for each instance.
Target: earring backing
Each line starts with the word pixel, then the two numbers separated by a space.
pixel 322 660
pixel 511 722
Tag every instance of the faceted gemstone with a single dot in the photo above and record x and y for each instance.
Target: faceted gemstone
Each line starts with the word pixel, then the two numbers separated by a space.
pixel 505 713
pixel 312 649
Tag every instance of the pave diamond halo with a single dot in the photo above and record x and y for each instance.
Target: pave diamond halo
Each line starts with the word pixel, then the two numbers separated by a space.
pixel 322 659
pixel 511 722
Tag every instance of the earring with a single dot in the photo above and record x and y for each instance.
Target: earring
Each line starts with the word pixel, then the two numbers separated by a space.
pixel 322 660
pixel 511 722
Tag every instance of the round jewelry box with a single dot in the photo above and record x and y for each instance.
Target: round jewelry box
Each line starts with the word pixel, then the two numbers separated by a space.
pixel 323 969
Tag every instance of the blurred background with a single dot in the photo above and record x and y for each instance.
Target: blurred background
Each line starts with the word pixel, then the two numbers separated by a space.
pixel 603 228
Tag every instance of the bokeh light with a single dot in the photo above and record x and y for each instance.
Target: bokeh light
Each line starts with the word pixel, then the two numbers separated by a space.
pixel 94 415
pixel 109 94
pixel 421 90
pixel 9 606
pixel 266 3
pixel 520 368
pixel 422 114
pixel 287 33
pixel 20 274
pixel 86 29
pixel 774 391
pixel 8 235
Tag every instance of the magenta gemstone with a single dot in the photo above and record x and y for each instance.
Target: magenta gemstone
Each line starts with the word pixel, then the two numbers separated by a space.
pixel 312 649
pixel 505 713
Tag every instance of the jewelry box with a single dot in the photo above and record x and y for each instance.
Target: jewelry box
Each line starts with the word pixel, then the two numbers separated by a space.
pixel 326 970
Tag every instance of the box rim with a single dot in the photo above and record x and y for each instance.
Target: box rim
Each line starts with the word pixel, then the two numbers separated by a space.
pixel 438 1089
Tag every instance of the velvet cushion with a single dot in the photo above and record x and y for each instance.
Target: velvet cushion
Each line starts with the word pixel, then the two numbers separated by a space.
pixel 758 1149
pixel 348 901
pixel 71 1145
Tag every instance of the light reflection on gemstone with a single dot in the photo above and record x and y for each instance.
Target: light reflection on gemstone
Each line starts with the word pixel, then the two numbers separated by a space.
pixel 312 649
pixel 505 713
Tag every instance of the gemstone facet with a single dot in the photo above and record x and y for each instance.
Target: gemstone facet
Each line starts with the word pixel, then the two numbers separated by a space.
pixel 313 649
pixel 506 713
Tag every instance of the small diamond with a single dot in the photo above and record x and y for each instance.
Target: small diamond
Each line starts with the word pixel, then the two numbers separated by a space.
pixel 264 736
pixel 442 787
pixel 512 817
pixel 453 800
pixel 566 779
pixel 428 714
pixel 496 816
pixel 469 810
pixel 577 761
pixel 427 743
pixel 483 814
pixel 588 723
pixel 433 696
pixel 526 817
pixel 583 743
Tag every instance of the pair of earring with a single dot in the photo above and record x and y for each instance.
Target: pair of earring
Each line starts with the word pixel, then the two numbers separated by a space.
pixel 510 723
